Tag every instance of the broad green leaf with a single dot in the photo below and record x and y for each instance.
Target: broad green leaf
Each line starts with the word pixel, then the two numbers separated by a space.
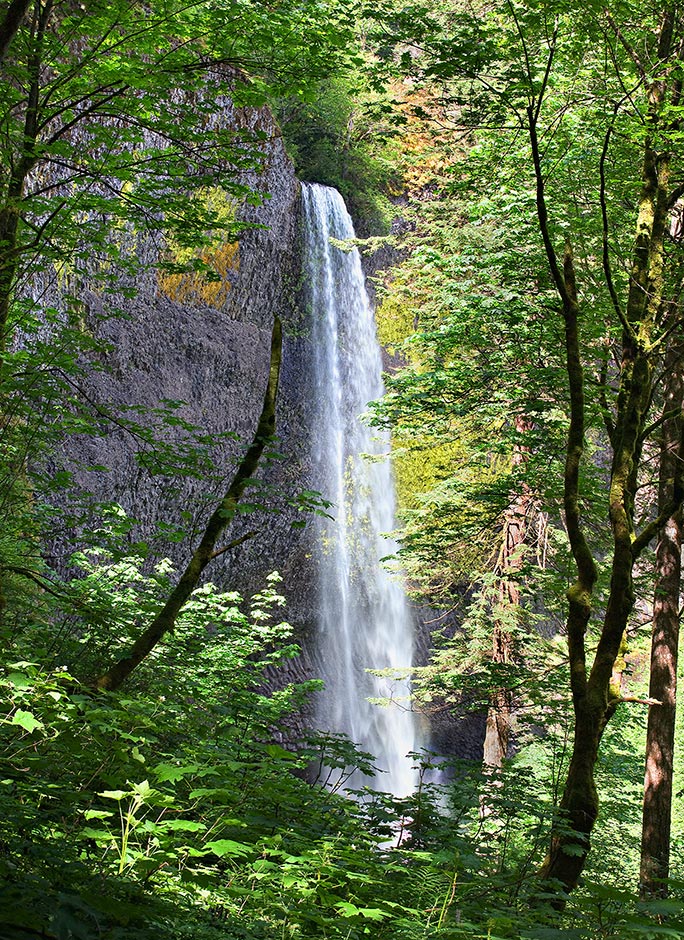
pixel 143 789
pixel 99 835
pixel 114 794
pixel 373 913
pixel 275 750
pixel 26 720
pixel 182 825
pixel 20 681
pixel 171 772
pixel 97 814
pixel 222 847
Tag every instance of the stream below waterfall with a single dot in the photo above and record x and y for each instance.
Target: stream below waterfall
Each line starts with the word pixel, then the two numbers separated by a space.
pixel 364 620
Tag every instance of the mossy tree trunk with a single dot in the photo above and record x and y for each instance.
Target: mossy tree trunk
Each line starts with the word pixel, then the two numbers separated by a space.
pixel 594 695
pixel 165 619
pixel 660 734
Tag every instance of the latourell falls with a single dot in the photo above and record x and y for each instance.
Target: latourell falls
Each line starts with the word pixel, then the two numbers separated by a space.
pixel 341 470
pixel 364 621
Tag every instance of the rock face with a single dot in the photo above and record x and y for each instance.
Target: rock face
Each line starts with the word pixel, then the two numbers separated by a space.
pixel 207 349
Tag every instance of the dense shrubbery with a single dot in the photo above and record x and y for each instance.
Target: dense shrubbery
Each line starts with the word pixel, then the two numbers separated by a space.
pixel 172 810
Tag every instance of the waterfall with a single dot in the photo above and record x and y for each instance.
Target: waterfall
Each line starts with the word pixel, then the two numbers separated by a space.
pixel 363 617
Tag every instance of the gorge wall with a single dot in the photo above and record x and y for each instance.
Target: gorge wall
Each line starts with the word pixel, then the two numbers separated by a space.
pixel 208 349
pixel 206 346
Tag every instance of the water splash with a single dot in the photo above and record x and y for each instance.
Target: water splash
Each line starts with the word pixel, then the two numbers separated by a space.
pixel 364 619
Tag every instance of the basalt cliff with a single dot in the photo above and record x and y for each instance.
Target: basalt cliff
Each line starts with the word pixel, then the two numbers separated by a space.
pixel 204 345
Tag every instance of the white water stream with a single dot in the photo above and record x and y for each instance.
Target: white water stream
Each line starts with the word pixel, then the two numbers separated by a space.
pixel 364 619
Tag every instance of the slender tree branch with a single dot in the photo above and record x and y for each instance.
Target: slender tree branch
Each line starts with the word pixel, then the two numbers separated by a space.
pixel 37 579
pixel 660 340
pixel 10 24
pixel 547 72
pixel 526 54
pixel 82 115
pixel 607 272
pixel 654 425
pixel 605 410
pixel 651 530
pixel 675 196
pixel 39 229
pixel 165 619
pixel 234 544
pixel 51 115
pixel 626 45
pixel 542 211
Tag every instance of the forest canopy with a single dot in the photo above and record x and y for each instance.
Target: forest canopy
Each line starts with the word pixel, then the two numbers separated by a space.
pixel 520 165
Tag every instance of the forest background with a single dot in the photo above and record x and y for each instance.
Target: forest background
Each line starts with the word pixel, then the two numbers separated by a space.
pixel 534 308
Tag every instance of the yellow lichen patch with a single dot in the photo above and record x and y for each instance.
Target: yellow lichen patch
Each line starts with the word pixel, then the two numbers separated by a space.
pixel 196 287
pixel 215 263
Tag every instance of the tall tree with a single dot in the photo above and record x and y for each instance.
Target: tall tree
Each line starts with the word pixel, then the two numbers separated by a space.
pixel 660 733
pixel 506 611
pixel 594 697
pixel 585 90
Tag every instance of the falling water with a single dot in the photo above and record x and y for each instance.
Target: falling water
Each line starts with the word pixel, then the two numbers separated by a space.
pixel 364 620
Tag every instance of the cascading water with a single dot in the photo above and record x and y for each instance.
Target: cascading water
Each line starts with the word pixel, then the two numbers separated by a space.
pixel 364 620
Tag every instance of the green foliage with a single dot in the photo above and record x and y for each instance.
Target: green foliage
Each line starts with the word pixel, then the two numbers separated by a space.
pixel 342 136
pixel 188 806
pixel 140 165
pixel 143 789
pixel 179 807
pixel 170 809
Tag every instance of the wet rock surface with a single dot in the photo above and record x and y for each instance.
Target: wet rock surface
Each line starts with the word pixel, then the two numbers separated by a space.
pixel 213 361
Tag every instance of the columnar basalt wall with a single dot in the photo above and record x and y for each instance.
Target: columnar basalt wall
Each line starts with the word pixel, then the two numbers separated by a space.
pixel 206 346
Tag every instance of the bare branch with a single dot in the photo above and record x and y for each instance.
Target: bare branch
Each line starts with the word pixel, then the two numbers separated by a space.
pixel 234 544
pixel 626 45
pixel 651 530
pixel 639 701
pixel 607 272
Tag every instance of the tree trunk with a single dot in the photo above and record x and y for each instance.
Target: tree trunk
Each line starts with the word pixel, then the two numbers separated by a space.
pixel 578 810
pixel 657 810
pixel 499 715
pixel 9 223
pixel 10 213
pixel 594 694
pixel 165 620
pixel 10 23
pixel 506 612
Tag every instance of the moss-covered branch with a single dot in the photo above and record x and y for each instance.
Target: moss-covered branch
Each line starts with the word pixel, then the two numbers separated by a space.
pixel 165 620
